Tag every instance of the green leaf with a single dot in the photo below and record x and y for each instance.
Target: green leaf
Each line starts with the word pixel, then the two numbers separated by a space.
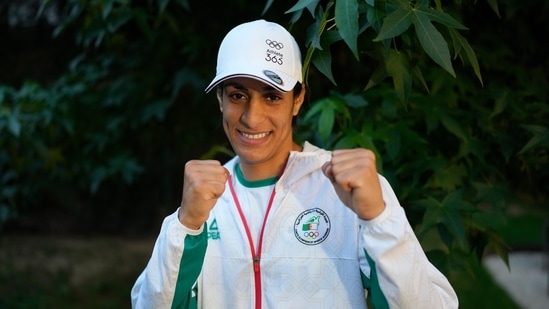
pixel 266 7
pixel 14 126
pixel 41 10
pixel 446 213
pixel 348 140
pixel 329 37
pixel 162 4
pixel 441 17
pixel 346 17
pixel 461 42
pixel 416 71
pixel 3 91
pixel 326 123
pixel 422 4
pixel 300 5
pixel 397 68
pixel 374 17
pixel 322 60
pixel 453 222
pixel 325 109
pixel 141 18
pixel 453 126
pixel 315 109
pixel 431 217
pixel 395 24
pixel 354 100
pixel 107 8
pixel 446 236
pixel 500 247
pixel 540 138
pixel 432 42
pixel 377 77
pixel 314 32
pixel 96 178
pixel 393 145
pixel 494 5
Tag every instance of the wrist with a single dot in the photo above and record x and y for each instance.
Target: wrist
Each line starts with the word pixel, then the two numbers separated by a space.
pixel 187 222
pixel 371 214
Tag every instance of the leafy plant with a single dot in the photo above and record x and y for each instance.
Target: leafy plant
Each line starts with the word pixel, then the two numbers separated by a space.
pixel 446 144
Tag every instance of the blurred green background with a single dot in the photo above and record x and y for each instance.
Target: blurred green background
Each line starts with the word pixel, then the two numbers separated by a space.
pixel 102 103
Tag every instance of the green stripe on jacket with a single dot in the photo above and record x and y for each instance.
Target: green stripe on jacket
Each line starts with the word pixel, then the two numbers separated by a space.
pixel 375 294
pixel 194 250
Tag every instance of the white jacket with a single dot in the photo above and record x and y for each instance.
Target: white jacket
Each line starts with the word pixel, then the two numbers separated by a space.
pixel 315 253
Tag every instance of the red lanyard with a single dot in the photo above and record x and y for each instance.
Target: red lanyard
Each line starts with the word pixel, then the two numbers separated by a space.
pixel 256 255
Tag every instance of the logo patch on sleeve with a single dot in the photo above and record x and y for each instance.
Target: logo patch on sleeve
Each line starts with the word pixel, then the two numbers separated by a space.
pixel 213 231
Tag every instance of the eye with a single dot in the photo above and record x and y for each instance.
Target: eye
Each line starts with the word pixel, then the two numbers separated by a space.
pixel 273 97
pixel 237 96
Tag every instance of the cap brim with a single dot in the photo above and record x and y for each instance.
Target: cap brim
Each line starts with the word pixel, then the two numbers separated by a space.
pixel 286 83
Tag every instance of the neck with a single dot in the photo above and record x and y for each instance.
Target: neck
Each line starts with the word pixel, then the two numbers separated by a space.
pixel 266 170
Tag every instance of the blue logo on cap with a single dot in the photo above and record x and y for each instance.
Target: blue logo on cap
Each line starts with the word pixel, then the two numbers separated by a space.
pixel 273 76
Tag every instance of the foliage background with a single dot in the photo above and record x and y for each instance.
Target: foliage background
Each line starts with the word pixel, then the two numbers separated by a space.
pixel 102 103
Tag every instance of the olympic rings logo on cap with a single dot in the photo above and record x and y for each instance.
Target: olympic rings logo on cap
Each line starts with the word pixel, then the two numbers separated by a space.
pixel 274 44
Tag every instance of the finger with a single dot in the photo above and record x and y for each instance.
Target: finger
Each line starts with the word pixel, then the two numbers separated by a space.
pixel 206 170
pixel 350 158
pixel 354 161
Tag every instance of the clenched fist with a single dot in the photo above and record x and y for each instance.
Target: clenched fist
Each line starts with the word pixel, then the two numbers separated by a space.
pixel 354 176
pixel 204 182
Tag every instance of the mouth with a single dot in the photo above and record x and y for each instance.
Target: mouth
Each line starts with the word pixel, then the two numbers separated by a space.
pixel 254 136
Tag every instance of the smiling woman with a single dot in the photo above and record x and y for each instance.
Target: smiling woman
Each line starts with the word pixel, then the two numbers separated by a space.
pixel 257 119
pixel 287 211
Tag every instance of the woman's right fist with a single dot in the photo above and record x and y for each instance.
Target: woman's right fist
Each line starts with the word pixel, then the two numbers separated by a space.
pixel 203 183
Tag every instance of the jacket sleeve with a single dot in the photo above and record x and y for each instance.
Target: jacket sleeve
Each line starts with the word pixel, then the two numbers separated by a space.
pixel 170 278
pixel 395 269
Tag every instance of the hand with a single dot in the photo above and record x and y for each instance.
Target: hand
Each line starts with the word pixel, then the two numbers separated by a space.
pixel 354 176
pixel 204 182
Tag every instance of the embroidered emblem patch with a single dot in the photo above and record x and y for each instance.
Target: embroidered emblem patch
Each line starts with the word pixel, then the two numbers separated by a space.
pixel 312 226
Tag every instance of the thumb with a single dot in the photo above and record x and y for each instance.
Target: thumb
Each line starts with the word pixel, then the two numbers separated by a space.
pixel 327 171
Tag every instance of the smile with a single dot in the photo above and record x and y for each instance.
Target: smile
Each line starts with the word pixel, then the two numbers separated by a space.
pixel 255 136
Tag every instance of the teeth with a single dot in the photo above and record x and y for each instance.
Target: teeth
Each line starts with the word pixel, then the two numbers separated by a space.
pixel 255 136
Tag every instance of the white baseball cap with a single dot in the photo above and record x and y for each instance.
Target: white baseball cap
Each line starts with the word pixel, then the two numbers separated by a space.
pixel 262 50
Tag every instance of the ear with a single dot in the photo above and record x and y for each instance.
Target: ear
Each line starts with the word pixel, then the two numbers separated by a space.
pixel 298 101
pixel 219 95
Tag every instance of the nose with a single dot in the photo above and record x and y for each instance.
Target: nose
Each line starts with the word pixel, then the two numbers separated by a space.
pixel 253 114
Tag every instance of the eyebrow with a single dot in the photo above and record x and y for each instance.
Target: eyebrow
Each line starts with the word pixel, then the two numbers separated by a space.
pixel 242 87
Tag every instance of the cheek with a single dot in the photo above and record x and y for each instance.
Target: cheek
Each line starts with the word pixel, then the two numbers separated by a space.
pixel 229 119
pixel 225 121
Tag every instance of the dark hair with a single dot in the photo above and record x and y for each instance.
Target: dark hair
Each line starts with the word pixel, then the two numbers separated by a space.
pixel 297 88
pixel 297 91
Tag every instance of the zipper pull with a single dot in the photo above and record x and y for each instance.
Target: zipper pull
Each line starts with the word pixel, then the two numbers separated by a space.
pixel 256 263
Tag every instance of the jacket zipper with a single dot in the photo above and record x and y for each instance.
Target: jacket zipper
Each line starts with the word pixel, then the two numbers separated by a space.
pixel 256 256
